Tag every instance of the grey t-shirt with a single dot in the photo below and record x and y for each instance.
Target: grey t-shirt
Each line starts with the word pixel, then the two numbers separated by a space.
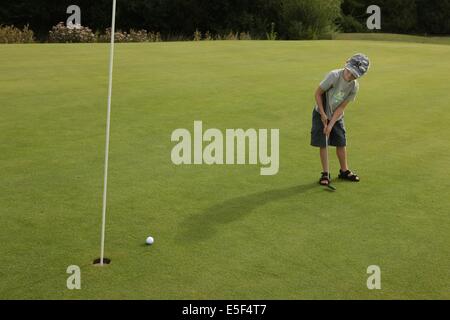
pixel 337 90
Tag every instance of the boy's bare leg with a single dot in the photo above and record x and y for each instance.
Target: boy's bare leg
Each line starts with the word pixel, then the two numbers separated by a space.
pixel 323 158
pixel 342 156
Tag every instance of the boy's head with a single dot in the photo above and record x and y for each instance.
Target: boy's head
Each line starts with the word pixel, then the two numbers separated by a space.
pixel 357 66
pixel 348 76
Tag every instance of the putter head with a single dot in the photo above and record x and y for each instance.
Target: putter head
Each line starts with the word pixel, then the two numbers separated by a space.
pixel 331 187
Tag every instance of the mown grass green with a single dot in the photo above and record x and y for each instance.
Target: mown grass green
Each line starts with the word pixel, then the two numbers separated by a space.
pixel 221 232
pixel 391 37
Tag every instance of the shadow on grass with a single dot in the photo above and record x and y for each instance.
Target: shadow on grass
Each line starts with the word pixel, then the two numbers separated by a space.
pixel 204 225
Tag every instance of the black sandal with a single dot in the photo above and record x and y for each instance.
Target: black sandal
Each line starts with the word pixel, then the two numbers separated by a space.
pixel 349 176
pixel 325 180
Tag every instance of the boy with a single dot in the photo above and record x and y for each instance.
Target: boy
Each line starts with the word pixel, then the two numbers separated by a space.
pixel 335 92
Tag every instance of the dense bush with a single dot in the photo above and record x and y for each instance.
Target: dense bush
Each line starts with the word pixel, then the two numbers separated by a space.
pixel 350 24
pixel 434 16
pixel 272 35
pixel 179 19
pixel 310 19
pixel 399 16
pixel 137 36
pixel 11 34
pixel 208 36
pixel 63 34
pixel 131 36
pixel 173 18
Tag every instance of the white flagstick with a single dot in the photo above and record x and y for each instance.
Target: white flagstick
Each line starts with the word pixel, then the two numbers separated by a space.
pixel 108 124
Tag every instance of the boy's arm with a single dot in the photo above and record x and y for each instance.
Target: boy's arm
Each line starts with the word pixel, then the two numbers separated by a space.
pixel 319 101
pixel 337 114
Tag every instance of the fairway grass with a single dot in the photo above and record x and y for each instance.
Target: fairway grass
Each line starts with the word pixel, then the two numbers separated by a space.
pixel 392 37
pixel 221 232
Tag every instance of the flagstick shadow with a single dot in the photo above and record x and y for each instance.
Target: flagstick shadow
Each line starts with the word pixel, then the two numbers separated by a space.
pixel 203 226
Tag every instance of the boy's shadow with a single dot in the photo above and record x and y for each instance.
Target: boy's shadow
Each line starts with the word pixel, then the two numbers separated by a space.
pixel 202 226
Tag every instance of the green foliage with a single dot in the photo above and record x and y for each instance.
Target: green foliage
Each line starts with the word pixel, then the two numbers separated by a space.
pixel 272 35
pixel 179 19
pixel 434 16
pixel 245 36
pixel 197 35
pixel 11 34
pixel 208 36
pixel 350 24
pixel 399 16
pixel 310 19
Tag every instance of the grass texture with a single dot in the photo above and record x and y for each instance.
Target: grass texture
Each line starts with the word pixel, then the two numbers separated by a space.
pixel 221 232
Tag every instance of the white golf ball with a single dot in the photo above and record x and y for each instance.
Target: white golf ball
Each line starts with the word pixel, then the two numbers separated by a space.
pixel 150 240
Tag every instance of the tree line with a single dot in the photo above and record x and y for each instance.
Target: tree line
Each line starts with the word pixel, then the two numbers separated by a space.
pixel 290 19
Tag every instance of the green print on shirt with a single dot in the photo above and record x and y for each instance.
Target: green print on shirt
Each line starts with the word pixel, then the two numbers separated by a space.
pixel 338 97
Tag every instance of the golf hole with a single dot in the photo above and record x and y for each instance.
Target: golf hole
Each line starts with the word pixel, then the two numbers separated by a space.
pixel 106 261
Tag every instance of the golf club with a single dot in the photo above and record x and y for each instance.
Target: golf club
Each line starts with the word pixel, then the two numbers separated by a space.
pixel 329 186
